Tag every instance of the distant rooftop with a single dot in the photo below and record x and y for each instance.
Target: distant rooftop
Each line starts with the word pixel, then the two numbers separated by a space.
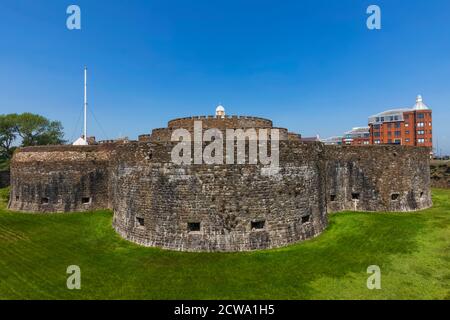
pixel 420 105
pixel 358 130
pixel 394 115
pixel 336 140
pixel 310 139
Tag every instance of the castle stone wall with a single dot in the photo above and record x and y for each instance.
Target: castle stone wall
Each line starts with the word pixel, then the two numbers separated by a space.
pixel 378 178
pixel 60 179
pixel 228 122
pixel 165 134
pixel 156 201
pixel 294 136
pixel 440 174
pixel 219 207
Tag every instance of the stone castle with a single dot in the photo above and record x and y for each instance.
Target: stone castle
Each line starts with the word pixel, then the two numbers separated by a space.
pixel 219 207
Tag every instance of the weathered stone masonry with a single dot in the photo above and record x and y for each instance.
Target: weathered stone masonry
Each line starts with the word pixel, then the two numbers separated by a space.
pixel 219 207
pixel 234 206
pixel 378 178
pixel 61 178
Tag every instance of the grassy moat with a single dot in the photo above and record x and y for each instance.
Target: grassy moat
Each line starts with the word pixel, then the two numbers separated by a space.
pixel 412 250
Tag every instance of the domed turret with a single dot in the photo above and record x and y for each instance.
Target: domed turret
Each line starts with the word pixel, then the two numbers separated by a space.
pixel 220 111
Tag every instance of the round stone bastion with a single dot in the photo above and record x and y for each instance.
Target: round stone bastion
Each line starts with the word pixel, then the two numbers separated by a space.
pixel 219 207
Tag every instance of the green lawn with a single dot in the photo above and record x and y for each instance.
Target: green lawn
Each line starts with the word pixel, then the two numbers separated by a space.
pixel 412 250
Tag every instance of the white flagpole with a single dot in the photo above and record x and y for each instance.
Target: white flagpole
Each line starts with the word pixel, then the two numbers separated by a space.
pixel 85 104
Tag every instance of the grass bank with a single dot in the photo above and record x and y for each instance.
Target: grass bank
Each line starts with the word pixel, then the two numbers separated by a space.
pixel 412 250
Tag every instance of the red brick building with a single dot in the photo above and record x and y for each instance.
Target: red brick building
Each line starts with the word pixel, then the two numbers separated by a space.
pixel 407 126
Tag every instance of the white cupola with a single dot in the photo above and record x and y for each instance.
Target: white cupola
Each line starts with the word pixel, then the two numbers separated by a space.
pixel 220 111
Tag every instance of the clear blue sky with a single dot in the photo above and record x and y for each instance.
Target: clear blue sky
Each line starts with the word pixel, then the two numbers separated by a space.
pixel 311 66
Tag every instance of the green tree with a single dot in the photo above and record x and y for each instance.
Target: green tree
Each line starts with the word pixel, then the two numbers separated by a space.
pixel 7 135
pixel 32 129
pixel 37 130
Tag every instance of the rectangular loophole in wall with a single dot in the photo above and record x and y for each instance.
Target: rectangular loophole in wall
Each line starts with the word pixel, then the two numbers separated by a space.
pixel 355 196
pixel 395 196
pixel 421 195
pixel 332 197
pixel 140 222
pixel 44 200
pixel 17 198
pixel 85 200
pixel 193 226
pixel 258 225
pixel 305 219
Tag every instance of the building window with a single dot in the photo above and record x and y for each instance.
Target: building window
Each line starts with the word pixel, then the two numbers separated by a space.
pixel 389 141
pixel 395 196
pixel 406 116
pixel 377 141
pixel 420 132
pixel 44 200
pixel 397 125
pixel 398 133
pixel 332 197
pixel 17 198
pixel 193 226
pixel 407 140
pixel 389 125
pixel 420 140
pixel 366 142
pixel 420 124
pixel 85 200
pixel 376 134
pixel 398 141
pixel 420 116
pixel 406 132
pixel 305 219
pixel 140 222
pixel 355 196
pixel 406 124
pixel 258 225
